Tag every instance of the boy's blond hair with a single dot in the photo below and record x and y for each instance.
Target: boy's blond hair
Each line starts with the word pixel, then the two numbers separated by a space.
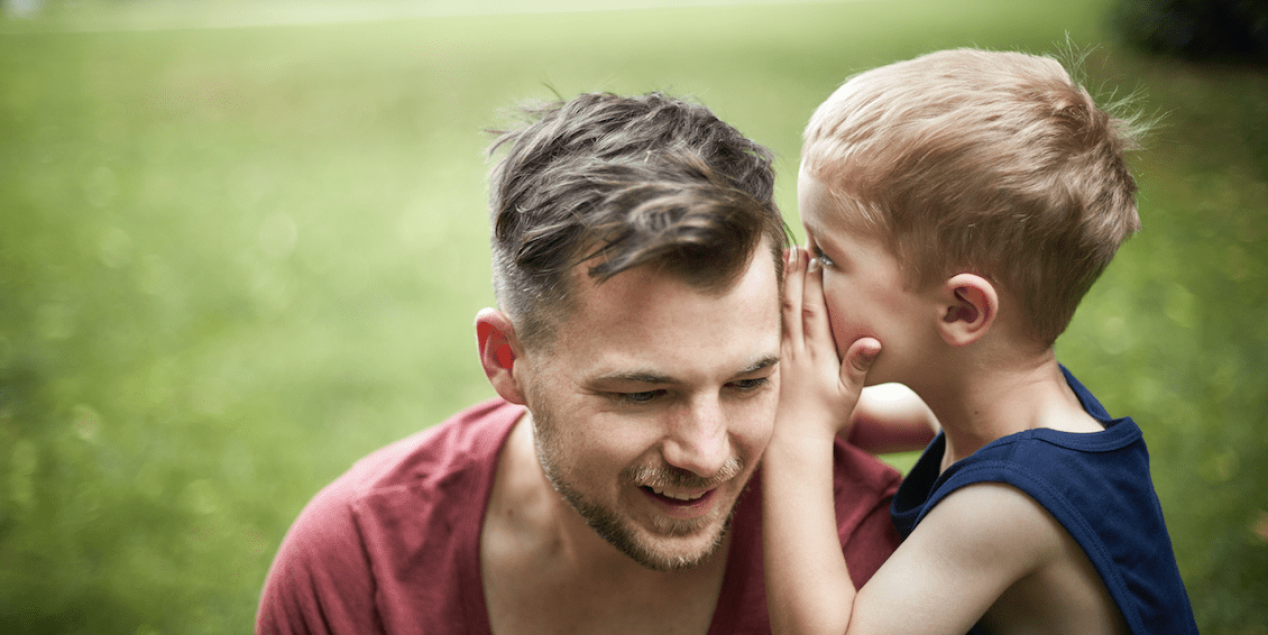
pixel 991 162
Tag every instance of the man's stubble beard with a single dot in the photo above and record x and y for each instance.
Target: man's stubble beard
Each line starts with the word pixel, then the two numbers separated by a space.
pixel 608 523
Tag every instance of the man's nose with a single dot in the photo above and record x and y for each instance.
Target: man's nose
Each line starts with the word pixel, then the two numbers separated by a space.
pixel 697 440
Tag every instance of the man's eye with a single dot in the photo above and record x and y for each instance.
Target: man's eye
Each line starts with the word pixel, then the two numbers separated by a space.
pixel 637 398
pixel 748 385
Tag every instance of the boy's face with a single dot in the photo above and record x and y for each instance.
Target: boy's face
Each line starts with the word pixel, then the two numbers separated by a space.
pixel 864 288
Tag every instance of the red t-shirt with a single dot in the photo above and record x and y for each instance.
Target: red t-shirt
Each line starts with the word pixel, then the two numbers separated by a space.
pixel 393 545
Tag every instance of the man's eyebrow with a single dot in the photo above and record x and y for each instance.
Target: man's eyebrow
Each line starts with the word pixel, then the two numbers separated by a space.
pixel 641 376
pixel 652 377
pixel 765 362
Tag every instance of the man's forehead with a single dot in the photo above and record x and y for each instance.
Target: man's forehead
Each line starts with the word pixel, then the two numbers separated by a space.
pixel 651 282
pixel 674 274
pixel 649 324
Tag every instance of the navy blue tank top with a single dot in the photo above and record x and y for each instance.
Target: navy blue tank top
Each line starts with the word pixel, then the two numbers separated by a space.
pixel 1097 485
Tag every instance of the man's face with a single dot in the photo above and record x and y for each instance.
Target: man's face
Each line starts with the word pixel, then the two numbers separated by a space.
pixel 653 405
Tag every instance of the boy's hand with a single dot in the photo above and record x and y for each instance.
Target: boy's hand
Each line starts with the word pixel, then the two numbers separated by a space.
pixel 817 391
pixel 808 584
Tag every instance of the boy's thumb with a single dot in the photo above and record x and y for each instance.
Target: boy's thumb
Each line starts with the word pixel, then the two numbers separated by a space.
pixel 858 360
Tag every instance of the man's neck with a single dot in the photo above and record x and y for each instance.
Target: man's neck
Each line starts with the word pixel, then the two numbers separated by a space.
pixel 535 548
pixel 982 402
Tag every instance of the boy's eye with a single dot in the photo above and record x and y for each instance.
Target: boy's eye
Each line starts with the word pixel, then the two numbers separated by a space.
pixel 824 260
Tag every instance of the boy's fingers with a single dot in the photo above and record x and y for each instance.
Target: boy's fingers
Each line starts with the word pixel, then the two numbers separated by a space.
pixel 858 361
pixel 813 309
pixel 794 279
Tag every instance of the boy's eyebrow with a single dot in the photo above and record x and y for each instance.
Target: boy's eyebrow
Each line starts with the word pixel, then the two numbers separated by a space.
pixel 814 233
pixel 812 226
pixel 654 377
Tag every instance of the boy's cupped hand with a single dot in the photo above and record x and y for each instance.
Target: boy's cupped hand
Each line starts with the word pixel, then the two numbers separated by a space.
pixel 818 391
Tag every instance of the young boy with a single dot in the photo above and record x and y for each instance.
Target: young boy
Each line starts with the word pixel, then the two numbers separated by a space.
pixel 957 207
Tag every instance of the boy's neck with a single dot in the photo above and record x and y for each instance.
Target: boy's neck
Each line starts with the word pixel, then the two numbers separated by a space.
pixel 987 401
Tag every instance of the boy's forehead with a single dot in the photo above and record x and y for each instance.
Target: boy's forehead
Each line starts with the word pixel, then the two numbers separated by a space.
pixel 822 209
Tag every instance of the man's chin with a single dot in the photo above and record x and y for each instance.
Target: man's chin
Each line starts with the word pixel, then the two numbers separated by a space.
pixel 657 542
pixel 673 554
pixel 669 548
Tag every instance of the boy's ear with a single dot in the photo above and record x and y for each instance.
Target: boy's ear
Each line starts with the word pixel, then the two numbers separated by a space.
pixel 499 350
pixel 969 307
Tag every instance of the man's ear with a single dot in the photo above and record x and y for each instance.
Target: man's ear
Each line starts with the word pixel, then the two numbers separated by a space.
pixel 969 307
pixel 499 351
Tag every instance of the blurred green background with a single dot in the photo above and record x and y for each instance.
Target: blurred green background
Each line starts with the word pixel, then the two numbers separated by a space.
pixel 242 244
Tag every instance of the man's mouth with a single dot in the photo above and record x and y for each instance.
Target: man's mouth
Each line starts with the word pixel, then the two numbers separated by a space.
pixel 681 493
pixel 692 499
pixel 678 496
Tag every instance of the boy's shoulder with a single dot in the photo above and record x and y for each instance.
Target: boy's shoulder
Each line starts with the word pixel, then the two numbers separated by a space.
pixel 996 537
pixel 1085 494
pixel 996 526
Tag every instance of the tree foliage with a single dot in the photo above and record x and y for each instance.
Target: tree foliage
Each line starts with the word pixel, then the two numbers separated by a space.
pixel 1196 29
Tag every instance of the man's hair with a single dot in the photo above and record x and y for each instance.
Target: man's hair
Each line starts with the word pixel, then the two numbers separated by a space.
pixel 992 162
pixel 622 182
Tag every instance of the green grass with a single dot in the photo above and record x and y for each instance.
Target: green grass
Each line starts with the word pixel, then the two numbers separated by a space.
pixel 233 261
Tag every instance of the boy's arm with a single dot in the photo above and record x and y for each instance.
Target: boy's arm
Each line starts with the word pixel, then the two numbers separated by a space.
pixel 957 563
pixel 891 418
pixel 964 554
pixel 808 585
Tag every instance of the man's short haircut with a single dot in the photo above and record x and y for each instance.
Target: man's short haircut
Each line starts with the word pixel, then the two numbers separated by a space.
pixel 992 162
pixel 623 182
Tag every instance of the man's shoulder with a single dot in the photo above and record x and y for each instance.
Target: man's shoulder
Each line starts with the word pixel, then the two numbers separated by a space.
pixel 858 474
pixel 359 537
pixel 471 436
pixel 412 470
pixel 864 487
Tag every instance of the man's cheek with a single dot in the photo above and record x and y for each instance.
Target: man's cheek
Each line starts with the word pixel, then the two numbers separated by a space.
pixel 761 422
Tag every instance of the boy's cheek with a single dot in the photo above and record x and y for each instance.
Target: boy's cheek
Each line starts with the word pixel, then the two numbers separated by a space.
pixel 844 331
pixel 841 333
pixel 836 316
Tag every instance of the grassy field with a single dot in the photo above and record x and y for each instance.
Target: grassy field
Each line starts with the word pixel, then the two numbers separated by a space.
pixel 234 260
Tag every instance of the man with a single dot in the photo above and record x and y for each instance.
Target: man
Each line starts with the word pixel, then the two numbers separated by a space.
pixel 637 257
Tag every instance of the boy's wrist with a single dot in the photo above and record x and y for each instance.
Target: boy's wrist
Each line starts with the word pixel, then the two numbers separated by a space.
pixel 797 443
pixel 814 426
